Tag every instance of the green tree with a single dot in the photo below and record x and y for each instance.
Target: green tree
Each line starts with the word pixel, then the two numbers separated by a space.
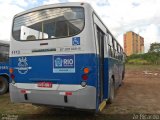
pixel 154 47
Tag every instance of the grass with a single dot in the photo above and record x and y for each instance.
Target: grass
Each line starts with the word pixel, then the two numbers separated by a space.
pixel 138 61
pixel 142 67
pixel 147 58
pixel 7 107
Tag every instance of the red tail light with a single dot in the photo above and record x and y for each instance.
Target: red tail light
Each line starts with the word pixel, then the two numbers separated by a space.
pixel 12 76
pixel 23 91
pixel 84 77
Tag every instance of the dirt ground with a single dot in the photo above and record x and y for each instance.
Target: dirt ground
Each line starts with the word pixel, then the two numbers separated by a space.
pixel 137 98
pixel 140 92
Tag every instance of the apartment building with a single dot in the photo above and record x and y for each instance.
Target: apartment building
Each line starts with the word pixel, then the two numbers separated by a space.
pixel 133 43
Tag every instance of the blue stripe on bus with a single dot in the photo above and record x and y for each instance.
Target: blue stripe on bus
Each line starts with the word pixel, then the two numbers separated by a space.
pixel 4 69
pixel 41 69
pixel 106 76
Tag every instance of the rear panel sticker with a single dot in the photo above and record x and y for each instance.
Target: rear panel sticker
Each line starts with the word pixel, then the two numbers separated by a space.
pixel 76 41
pixel 64 64
pixel 23 67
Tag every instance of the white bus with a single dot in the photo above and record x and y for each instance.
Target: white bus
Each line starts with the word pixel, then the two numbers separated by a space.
pixel 62 55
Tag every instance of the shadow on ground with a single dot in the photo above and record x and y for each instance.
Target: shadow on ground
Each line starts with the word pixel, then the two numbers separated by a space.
pixel 63 114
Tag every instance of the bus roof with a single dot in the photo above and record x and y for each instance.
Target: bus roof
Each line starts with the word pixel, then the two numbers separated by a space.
pixel 52 6
pixel 4 42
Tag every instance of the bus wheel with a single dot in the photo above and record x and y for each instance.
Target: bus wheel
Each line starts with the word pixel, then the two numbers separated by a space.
pixel 123 75
pixel 3 85
pixel 112 91
pixel 121 81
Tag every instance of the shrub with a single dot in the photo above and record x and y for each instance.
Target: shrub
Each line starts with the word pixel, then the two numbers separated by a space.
pixel 147 58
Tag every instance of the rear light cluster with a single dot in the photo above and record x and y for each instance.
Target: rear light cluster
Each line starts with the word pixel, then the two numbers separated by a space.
pixel 11 70
pixel 23 91
pixel 12 76
pixel 85 76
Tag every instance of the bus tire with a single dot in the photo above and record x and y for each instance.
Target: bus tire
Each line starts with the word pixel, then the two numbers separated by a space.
pixel 121 80
pixel 112 91
pixel 123 74
pixel 3 85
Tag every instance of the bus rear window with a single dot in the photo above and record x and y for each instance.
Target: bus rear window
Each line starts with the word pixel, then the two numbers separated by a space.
pixel 49 24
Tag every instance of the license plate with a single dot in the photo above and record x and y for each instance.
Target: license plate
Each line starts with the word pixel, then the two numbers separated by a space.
pixel 45 84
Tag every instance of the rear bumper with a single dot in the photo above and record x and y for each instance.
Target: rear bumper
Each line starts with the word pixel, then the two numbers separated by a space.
pixel 81 99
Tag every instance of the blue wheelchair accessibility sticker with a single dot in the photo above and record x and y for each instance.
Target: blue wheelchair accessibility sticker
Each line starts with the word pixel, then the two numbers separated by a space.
pixel 76 41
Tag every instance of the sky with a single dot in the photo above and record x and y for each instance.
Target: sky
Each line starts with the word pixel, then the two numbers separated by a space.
pixel 120 16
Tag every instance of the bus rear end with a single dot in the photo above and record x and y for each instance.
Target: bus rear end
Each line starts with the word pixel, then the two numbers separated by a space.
pixel 52 60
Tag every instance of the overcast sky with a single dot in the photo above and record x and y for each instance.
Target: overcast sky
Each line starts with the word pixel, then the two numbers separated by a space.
pixel 120 16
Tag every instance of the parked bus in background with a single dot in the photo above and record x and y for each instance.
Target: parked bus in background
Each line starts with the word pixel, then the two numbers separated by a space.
pixel 63 55
pixel 4 61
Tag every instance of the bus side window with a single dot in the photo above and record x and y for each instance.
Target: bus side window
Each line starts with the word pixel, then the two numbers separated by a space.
pixel 117 47
pixel 106 47
pixel 118 53
pixel 110 45
pixel 114 51
pixel 109 51
pixel 121 54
